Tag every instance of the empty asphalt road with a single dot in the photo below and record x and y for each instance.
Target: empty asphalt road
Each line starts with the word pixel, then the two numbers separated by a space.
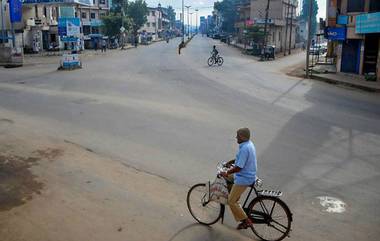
pixel 174 117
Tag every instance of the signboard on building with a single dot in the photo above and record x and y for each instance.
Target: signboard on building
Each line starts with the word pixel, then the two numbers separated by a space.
pixel 80 2
pixel 68 26
pixel 368 23
pixel 248 22
pixel 342 20
pixel 96 22
pixel 338 34
pixel 66 11
pixel 15 10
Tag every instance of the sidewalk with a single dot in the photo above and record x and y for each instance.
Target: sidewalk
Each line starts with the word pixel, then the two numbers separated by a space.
pixel 355 81
pixel 45 58
pixel 277 55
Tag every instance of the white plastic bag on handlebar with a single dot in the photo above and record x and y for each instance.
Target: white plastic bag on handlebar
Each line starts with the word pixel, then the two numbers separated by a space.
pixel 219 191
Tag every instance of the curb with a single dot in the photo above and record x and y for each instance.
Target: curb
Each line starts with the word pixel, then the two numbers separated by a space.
pixel 353 85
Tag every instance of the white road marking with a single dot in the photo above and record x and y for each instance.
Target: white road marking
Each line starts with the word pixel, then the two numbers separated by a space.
pixel 332 204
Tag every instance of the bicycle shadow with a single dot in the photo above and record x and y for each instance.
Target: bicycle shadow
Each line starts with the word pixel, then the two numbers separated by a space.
pixel 197 232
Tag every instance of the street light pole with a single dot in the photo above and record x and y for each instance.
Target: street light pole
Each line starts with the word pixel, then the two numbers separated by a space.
pixel 191 23
pixel 188 20
pixel 308 38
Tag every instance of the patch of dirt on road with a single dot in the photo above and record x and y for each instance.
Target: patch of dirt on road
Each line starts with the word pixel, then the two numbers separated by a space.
pixel 49 153
pixel 296 70
pixel 17 182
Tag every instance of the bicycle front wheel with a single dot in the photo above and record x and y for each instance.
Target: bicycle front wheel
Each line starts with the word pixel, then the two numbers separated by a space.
pixel 204 211
pixel 220 61
pixel 271 218
pixel 210 61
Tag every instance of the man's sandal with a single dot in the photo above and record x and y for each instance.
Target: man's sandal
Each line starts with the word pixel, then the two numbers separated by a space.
pixel 243 225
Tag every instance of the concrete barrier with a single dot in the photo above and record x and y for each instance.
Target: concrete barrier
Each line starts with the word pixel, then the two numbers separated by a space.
pixel 9 58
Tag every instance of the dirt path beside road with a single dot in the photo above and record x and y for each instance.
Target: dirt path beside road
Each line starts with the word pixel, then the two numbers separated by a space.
pixel 53 189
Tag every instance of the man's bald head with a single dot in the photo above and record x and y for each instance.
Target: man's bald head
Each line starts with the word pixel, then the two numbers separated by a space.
pixel 243 134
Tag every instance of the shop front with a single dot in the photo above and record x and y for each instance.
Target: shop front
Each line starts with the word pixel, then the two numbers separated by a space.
pixel 369 25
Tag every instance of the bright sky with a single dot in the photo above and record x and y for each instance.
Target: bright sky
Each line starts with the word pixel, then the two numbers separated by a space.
pixel 205 7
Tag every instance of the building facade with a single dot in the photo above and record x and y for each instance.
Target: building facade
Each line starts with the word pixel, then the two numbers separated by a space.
pixel 353 30
pixel 38 29
pixel 157 23
pixel 282 22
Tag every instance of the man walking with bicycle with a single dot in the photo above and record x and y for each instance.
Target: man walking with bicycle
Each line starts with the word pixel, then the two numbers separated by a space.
pixel 243 174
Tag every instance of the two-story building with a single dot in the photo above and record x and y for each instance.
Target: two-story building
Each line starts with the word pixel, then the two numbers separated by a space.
pixel 90 16
pixel 353 30
pixel 157 22
pixel 281 23
pixel 39 27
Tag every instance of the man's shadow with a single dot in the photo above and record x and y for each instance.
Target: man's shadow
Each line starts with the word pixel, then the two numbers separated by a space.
pixel 217 232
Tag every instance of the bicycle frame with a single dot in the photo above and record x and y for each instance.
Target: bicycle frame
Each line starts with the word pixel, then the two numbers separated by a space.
pixel 244 205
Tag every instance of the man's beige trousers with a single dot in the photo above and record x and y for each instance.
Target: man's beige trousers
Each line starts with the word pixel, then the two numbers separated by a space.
pixel 233 202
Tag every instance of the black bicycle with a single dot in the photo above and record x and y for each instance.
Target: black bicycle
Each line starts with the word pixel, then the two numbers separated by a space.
pixel 270 215
pixel 215 59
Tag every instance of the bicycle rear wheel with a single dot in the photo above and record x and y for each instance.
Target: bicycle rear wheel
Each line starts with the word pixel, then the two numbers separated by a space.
pixel 202 210
pixel 271 218
pixel 210 61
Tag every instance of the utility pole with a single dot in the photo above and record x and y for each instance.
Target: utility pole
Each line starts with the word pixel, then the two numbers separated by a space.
pixel 2 24
pixel 191 23
pixel 122 23
pixel 291 29
pixel 265 31
pixel 188 20
pixel 308 38
pixel 286 27
pixel 183 22
pixel 196 20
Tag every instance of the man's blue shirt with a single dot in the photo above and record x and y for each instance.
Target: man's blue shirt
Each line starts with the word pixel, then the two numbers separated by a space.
pixel 246 160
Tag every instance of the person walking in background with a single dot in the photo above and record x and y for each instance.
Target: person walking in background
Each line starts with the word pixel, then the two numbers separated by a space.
pixel 104 45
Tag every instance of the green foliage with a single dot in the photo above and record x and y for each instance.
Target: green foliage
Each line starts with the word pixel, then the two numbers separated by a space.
pixel 171 16
pixel 117 6
pixel 305 14
pixel 112 24
pixel 137 11
pixel 228 10
pixel 254 33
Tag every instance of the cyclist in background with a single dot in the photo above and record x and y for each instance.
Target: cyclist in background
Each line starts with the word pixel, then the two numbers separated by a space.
pixel 214 52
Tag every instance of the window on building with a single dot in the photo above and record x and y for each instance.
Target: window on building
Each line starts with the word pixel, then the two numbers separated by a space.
pixel 93 15
pixel 93 2
pixel 374 6
pixel 95 30
pixel 355 5
pixel 5 37
pixel 148 25
pixel 84 15
pixel 57 12
pixel 45 12
pixel 153 13
pixel 154 25
pixel 36 11
pixel 102 14
pixel 102 1
pixel 86 30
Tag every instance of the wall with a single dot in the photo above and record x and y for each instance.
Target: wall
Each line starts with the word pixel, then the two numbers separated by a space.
pixel 378 63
